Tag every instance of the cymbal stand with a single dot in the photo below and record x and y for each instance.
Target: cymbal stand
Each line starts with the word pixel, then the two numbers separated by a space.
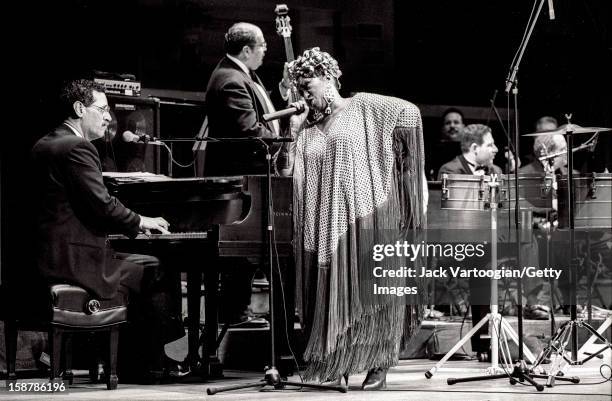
pixel 549 227
pixel 499 327
pixel 271 375
pixel 568 331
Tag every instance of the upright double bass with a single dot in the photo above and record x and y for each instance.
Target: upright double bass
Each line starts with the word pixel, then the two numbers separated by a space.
pixel 283 28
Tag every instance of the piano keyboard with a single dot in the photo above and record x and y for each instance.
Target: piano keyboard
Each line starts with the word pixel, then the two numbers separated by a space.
pixel 171 236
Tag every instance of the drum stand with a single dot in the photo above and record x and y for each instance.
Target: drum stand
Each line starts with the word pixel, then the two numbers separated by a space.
pixel 568 331
pixel 499 327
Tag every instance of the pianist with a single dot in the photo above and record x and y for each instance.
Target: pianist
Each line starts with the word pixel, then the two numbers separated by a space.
pixel 74 212
pixel 350 152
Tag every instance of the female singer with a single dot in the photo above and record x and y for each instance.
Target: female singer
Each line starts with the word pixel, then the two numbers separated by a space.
pixel 358 171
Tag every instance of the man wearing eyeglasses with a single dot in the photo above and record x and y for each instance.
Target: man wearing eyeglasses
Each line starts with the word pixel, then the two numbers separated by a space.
pixel 74 212
pixel 236 101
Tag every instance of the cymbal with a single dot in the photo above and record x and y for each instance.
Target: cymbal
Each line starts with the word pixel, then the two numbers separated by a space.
pixel 575 129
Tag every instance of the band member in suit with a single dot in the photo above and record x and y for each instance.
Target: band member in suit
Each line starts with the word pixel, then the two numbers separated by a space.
pixel 236 101
pixel 545 145
pixel 542 146
pixel 447 145
pixel 478 151
pixel 74 212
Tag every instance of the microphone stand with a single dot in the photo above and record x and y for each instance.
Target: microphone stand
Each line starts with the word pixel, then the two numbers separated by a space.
pixel 271 376
pixel 520 371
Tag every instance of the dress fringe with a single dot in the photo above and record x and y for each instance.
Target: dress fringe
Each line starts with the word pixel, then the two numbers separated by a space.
pixel 351 330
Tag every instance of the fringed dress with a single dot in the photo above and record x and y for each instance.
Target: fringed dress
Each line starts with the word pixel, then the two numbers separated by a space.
pixel 362 178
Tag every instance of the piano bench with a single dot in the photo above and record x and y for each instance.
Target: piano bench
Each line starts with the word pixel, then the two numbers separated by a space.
pixel 70 309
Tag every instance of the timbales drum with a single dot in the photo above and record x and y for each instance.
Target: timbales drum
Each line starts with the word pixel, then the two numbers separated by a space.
pixel 593 201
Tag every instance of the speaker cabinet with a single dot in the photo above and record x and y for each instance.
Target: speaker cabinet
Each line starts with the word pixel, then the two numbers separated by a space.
pixel 125 146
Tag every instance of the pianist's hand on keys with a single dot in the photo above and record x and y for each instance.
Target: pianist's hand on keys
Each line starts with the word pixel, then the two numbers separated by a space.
pixel 154 223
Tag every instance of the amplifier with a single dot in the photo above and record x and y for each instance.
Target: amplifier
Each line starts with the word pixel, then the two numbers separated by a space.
pixel 119 87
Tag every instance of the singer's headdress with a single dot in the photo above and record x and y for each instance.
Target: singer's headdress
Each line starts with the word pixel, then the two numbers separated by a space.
pixel 314 63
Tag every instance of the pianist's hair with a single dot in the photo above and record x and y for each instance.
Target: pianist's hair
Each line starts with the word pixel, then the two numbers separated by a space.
pixel 78 90
pixel 239 35
pixel 473 133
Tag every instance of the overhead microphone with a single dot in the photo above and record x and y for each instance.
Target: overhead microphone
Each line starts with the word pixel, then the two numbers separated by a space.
pixel 551 10
pixel 564 152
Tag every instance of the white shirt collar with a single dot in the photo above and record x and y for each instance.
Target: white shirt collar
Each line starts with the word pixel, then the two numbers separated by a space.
pixel 74 129
pixel 240 64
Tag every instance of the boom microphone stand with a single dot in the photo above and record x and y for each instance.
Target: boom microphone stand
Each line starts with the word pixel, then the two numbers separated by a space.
pixel 520 371
pixel 271 375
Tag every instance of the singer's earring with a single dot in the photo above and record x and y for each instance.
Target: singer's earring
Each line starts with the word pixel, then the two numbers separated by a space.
pixel 317 116
pixel 329 97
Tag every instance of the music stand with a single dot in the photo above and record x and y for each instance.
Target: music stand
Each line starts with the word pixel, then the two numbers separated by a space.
pixel 271 375
pixel 497 322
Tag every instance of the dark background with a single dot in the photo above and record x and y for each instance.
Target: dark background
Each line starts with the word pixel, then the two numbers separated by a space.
pixel 432 53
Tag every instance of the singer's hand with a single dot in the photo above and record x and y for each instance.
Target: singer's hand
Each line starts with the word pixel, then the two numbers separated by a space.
pixel 154 223
pixel 296 122
pixel 286 82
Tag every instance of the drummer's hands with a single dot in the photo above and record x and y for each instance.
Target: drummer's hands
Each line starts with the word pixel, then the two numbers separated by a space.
pixel 297 121
pixel 154 223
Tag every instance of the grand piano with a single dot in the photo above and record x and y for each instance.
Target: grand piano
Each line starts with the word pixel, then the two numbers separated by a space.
pixel 210 219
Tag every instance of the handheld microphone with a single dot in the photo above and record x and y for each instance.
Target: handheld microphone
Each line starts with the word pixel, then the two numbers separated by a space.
pixel 551 10
pixel 280 114
pixel 284 113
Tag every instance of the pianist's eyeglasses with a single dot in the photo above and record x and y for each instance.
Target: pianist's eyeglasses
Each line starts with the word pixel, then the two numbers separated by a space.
pixel 105 109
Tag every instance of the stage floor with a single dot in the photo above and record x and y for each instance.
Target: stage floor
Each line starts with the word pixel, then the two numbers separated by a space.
pixel 406 381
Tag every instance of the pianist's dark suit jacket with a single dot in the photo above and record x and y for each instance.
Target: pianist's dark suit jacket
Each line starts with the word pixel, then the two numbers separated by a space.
pixel 459 165
pixel 74 212
pixel 235 109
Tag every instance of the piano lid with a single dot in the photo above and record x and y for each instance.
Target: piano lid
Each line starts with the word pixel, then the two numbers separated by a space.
pixel 189 204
